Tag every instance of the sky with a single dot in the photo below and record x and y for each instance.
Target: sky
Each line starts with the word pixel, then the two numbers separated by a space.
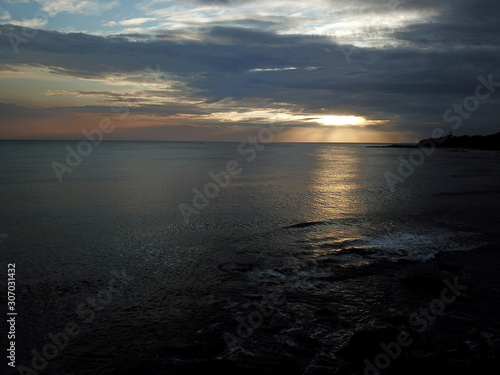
pixel 221 70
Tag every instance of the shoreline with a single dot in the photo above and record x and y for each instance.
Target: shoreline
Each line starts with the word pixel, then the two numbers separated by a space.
pixel 476 142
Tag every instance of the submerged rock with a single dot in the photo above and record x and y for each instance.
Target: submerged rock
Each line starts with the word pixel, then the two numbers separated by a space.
pixel 425 282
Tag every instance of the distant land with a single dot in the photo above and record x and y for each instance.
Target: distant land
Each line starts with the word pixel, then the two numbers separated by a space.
pixel 479 142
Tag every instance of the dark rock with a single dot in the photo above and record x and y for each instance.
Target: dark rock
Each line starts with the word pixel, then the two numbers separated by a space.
pixel 424 282
pixel 488 142
pixel 447 267
pixel 223 367
pixel 366 343
pixel 400 320
pixel 304 225
pixel 219 367
pixel 324 313
pixel 481 142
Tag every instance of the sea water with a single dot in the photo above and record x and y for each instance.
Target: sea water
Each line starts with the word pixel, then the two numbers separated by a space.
pixel 197 225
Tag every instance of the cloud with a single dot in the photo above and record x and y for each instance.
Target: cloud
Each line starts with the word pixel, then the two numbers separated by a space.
pixel 465 24
pixel 34 23
pixel 401 76
pixel 130 22
pixel 257 70
pixel 416 84
pixel 85 7
pixel 4 14
pixel 358 22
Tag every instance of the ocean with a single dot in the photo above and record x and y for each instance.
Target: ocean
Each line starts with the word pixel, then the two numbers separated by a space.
pixel 173 257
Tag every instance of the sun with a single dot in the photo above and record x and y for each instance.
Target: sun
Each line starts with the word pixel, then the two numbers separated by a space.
pixel 339 120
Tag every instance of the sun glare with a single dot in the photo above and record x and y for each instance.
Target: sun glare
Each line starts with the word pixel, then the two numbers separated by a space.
pixel 339 120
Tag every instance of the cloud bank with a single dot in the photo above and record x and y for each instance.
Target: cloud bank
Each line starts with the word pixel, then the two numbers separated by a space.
pixel 242 63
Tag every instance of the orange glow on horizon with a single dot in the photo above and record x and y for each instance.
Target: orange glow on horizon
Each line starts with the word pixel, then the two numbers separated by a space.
pixel 340 120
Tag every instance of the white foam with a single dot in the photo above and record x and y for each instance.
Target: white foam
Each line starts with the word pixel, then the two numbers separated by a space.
pixel 417 245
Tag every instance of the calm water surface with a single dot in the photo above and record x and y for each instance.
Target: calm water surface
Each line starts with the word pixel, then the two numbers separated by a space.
pixel 291 210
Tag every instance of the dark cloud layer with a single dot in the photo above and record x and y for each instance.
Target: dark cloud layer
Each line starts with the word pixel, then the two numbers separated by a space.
pixel 435 65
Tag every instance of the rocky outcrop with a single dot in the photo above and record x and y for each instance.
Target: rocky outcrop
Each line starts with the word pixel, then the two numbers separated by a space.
pixel 482 142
